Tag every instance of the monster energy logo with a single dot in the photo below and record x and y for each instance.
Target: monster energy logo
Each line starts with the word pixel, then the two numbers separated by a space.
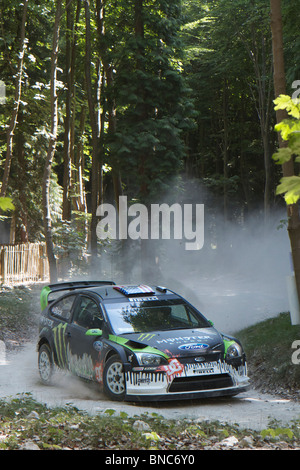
pixel 60 343
pixel 145 336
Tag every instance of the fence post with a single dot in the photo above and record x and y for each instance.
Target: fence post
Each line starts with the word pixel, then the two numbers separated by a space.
pixel 1 263
pixel 4 264
pixel 26 262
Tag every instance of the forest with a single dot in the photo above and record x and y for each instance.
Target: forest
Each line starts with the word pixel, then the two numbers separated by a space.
pixel 157 100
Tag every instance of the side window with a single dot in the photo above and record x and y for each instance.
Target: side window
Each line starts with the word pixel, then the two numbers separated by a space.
pixel 62 308
pixel 87 313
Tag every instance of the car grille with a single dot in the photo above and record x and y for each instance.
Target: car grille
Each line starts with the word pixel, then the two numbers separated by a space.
pixel 192 384
pixel 206 357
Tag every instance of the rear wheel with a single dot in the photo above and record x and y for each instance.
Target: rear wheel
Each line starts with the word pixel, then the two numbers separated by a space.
pixel 113 379
pixel 45 364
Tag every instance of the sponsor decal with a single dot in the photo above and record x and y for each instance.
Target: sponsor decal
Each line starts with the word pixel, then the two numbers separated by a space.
pixel 193 346
pixel 99 372
pixel 178 339
pixel 60 344
pixel 81 366
pixel 174 368
pixel 46 322
pixel 142 299
pixel 98 345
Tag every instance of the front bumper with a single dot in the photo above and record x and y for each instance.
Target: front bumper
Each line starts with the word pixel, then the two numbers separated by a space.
pixel 190 381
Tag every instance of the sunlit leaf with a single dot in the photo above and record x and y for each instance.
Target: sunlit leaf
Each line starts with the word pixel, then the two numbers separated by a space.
pixel 6 204
pixel 290 187
pixel 283 155
pixel 287 103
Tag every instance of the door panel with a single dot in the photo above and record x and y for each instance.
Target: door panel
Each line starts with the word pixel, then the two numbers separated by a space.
pixel 82 355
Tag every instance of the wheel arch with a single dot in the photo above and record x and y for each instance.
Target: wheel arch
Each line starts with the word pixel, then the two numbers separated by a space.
pixel 115 349
pixel 45 340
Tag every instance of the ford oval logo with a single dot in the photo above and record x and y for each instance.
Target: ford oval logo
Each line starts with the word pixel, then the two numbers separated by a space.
pixel 193 346
pixel 199 359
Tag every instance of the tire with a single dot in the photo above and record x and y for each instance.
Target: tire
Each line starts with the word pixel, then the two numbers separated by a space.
pixel 114 379
pixel 45 364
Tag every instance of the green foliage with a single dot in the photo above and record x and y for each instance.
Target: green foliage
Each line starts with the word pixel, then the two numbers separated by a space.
pixel 67 427
pixel 228 64
pixel 6 204
pixel 277 432
pixel 152 105
pixel 290 187
pixel 268 347
pixel 290 132
pixel 182 95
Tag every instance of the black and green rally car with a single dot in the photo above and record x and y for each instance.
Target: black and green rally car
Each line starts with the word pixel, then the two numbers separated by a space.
pixel 136 342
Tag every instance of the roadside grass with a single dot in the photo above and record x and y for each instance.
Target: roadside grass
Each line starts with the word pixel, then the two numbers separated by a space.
pixel 271 354
pixel 19 308
pixel 27 424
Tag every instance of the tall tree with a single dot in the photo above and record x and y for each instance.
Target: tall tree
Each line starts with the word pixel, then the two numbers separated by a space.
pixel 68 121
pixel 288 166
pixel 17 98
pixel 93 99
pixel 152 105
pixel 52 144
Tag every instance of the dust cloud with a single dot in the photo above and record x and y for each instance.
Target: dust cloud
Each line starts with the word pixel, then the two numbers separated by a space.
pixel 240 281
pixel 19 375
pixel 237 279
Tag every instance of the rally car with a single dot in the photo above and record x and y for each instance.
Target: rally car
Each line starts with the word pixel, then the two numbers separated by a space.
pixel 137 342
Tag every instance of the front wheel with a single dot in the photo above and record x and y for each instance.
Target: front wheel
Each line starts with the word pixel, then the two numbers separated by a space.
pixel 113 379
pixel 45 364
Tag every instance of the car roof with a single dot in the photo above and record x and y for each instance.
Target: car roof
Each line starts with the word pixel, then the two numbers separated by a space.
pixel 121 292
pixel 107 290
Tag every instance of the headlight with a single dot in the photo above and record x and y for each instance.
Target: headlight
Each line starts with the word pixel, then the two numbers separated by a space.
pixel 145 359
pixel 234 350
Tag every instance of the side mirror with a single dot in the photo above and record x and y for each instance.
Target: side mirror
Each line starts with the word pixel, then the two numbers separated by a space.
pixel 211 322
pixel 94 332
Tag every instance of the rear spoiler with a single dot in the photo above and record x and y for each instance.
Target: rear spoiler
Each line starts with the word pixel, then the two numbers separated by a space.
pixel 47 290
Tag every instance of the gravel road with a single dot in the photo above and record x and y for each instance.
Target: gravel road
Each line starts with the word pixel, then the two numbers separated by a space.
pixel 19 375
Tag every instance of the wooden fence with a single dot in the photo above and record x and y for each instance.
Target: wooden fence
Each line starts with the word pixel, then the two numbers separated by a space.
pixel 23 263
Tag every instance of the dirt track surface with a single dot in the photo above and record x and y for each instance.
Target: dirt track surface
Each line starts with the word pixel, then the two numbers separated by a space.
pixel 19 375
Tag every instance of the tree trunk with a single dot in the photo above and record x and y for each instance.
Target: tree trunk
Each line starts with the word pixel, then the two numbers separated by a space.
pixel 142 109
pixel 14 117
pixel 71 39
pixel 80 200
pixel 287 168
pixel 225 151
pixel 68 117
pixel 96 130
pixel 22 220
pixel 51 147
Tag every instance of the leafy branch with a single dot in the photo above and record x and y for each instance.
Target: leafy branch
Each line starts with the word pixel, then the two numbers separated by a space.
pixel 290 133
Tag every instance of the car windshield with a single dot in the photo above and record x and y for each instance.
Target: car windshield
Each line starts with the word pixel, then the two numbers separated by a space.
pixel 141 317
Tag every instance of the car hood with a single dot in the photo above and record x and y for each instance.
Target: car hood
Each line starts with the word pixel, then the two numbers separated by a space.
pixel 174 343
